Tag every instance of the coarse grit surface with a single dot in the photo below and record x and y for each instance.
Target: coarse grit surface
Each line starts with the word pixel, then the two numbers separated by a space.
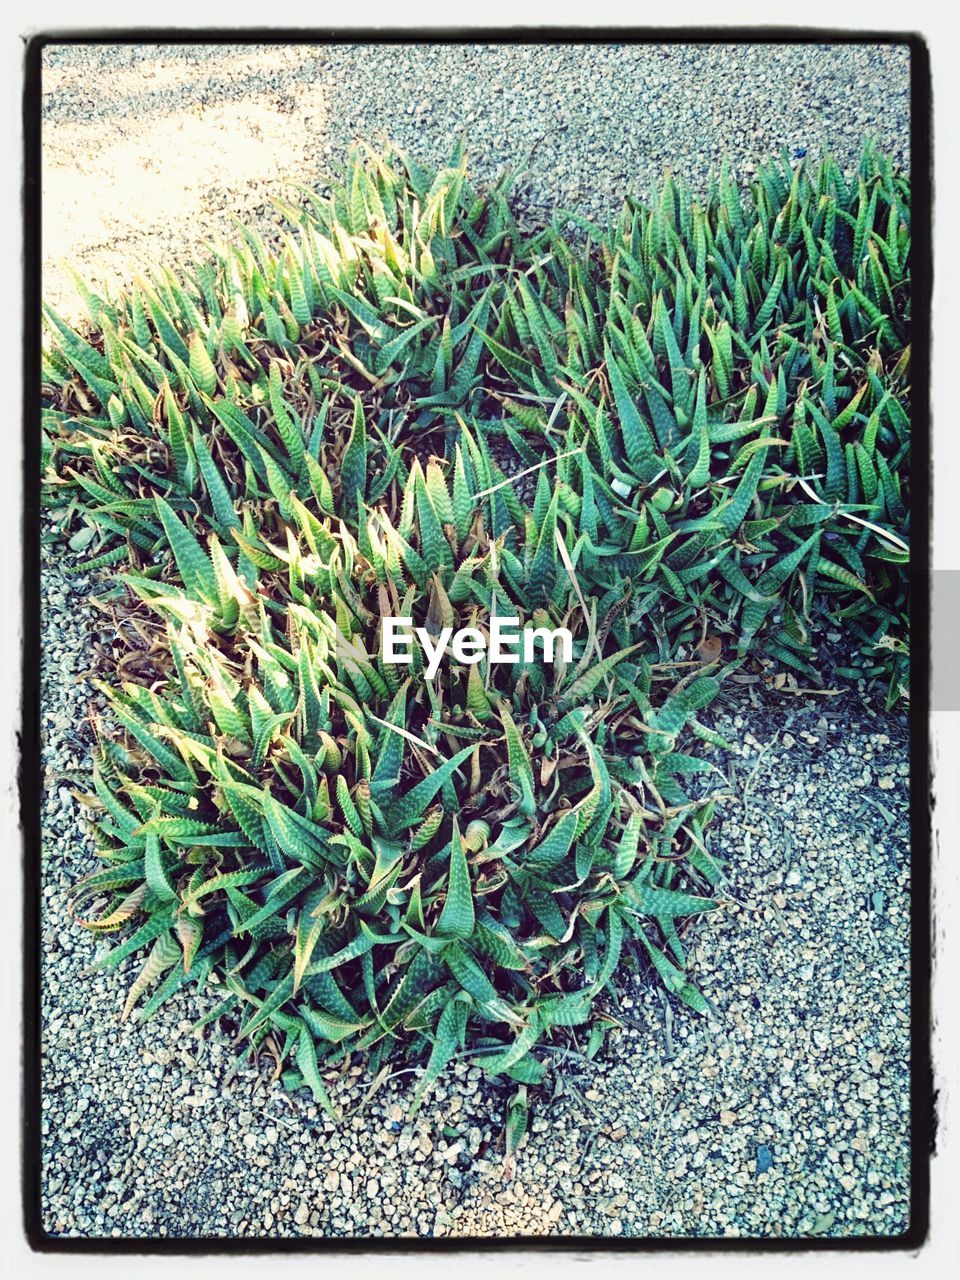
pixel 788 1114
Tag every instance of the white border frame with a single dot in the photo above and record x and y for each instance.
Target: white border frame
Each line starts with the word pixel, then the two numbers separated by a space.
pixel 939 29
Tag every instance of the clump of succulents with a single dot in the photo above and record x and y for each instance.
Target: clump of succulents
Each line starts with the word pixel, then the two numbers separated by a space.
pixel 693 421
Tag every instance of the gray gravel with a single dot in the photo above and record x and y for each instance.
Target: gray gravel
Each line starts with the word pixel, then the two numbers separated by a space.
pixel 166 143
pixel 789 1113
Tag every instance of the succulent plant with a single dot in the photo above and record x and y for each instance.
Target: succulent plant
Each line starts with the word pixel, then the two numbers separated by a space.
pixel 690 428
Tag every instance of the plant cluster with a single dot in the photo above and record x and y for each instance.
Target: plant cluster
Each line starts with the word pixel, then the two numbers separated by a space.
pixel 695 420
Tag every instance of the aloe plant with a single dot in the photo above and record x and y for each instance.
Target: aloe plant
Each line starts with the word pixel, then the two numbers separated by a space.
pixel 696 418
pixel 374 861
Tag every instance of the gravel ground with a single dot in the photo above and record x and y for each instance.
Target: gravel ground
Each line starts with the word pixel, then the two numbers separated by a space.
pixel 166 143
pixel 787 1115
